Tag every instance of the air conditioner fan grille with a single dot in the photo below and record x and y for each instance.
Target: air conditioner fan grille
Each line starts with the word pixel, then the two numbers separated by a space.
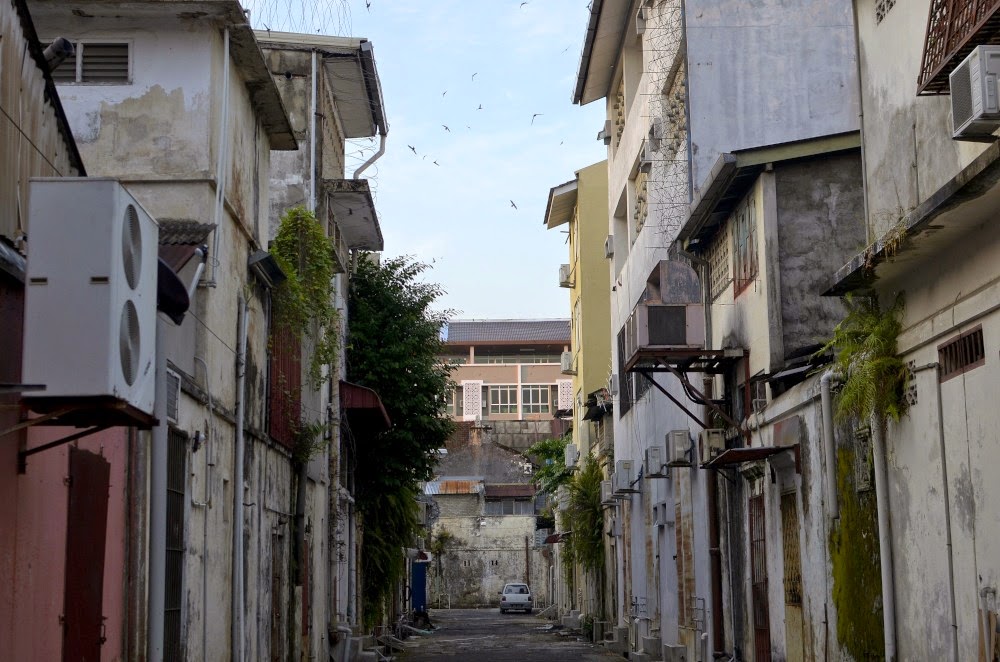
pixel 131 247
pixel 128 342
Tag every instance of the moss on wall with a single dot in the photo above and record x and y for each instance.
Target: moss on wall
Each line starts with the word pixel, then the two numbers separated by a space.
pixel 854 555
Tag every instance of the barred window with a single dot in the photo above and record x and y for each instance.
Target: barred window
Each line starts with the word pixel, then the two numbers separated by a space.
pixel 962 354
pixel 745 245
pixel 718 261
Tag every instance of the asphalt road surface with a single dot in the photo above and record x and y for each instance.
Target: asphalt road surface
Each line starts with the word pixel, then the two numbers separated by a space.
pixel 484 635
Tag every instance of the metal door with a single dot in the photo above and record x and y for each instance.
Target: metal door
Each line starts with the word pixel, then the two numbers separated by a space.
pixel 794 631
pixel 758 581
pixel 86 532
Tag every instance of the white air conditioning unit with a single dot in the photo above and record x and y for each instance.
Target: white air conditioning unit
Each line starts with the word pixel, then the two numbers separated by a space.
pixel 616 527
pixel 712 442
pixel 572 453
pixel 566 363
pixel 613 385
pixel 664 326
pixel 646 157
pixel 609 247
pixel 565 277
pixel 623 478
pixel 90 301
pixel 975 107
pixel 654 463
pixel 607 497
pixel 173 395
pixel 678 448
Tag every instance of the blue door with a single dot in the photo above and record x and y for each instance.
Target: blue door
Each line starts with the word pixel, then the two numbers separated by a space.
pixel 419 585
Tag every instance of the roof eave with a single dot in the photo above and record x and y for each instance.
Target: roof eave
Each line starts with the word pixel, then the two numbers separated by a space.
pixel 554 215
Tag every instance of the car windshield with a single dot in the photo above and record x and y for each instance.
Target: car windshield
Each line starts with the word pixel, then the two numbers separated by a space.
pixel 516 589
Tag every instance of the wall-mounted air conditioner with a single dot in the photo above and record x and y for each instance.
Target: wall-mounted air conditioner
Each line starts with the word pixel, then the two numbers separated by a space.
pixel 624 478
pixel 607 498
pixel 604 134
pixel 565 276
pixel 712 441
pixel 661 516
pixel 646 157
pixel 566 363
pixel 613 385
pixel 674 653
pixel 654 464
pixel 609 247
pixel 572 453
pixel 678 448
pixel 664 326
pixel 92 268
pixel 655 132
pixel 975 107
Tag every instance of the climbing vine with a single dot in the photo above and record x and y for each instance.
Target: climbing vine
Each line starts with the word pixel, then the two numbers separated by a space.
pixel 303 304
pixel 550 455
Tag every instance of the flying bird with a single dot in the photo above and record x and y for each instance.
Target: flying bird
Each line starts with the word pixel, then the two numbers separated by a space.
pixel 474 75
pixel 512 204
pixel 444 93
pixel 368 5
pixel 436 163
pixel 534 116
pixel 446 128
pixel 413 148
pixel 523 3
pixel 480 107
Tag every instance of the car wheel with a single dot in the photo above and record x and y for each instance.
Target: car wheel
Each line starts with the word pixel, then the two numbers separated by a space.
pixel 503 611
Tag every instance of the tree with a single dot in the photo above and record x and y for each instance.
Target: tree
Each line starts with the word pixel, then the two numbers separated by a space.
pixel 550 455
pixel 393 346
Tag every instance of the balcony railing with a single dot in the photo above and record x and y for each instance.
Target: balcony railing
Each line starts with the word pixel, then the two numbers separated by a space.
pixel 954 28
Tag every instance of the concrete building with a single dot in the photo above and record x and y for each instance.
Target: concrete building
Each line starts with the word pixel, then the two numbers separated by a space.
pixel 785 75
pixel 929 208
pixel 580 206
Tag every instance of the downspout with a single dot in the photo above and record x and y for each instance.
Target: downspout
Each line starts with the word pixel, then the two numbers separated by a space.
pixel 158 501
pixel 237 633
pixel 884 539
pixel 861 124
pixel 222 163
pixel 312 138
pixel 829 445
pixel 375 157
pixel 206 503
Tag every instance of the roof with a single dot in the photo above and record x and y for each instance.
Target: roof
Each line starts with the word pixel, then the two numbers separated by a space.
pixel 488 331
pixel 562 201
pixel 179 238
pixel 454 485
pixel 363 408
pixel 511 490
pixel 601 46
pixel 353 207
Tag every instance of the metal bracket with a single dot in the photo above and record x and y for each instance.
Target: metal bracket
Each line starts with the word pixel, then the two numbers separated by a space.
pixel 22 456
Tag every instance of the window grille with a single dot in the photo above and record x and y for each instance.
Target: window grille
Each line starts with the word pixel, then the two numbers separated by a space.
pixel 790 549
pixel 719 264
pixel 882 8
pixel 961 354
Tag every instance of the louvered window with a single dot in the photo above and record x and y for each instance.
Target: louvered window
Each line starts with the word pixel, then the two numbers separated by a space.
pixel 95 63
pixel 962 354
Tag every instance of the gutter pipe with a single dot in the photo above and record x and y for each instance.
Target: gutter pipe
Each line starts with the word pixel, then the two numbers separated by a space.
pixel 237 633
pixel 829 445
pixel 375 157
pixel 884 539
pixel 158 501
pixel 312 138
pixel 222 162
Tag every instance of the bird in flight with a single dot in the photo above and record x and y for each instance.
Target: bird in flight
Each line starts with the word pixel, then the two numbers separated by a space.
pixel 480 107
pixel 446 128
pixel 512 204
pixel 534 116
pixel 523 3
pixel 474 75
pixel 413 148
pixel 436 163
pixel 444 93
pixel 368 5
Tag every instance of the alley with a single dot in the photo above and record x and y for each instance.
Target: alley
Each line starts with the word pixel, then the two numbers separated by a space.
pixel 487 636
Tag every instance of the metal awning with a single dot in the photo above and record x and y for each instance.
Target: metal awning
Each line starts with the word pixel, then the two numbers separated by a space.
pixel 350 201
pixel 558 537
pixel 732 456
pixel 363 408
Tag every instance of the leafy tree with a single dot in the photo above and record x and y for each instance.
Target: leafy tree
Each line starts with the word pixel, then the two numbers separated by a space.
pixel 393 345
pixel 585 516
pixel 550 454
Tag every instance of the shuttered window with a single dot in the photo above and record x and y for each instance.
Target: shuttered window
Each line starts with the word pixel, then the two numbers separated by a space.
pixel 962 354
pixel 95 63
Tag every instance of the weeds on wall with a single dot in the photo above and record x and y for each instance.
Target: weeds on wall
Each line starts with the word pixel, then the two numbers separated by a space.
pixel 303 304
pixel 550 456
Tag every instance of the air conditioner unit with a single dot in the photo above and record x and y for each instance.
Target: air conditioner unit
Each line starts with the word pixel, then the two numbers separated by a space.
pixel 92 266
pixel 623 478
pixel 571 455
pixel 607 498
pixel 615 528
pixel 604 134
pixel 613 385
pixel 654 463
pixel 664 326
pixel 678 448
pixel 661 516
pixel 173 395
pixel 975 107
pixel 566 363
pixel 655 132
pixel 646 157
pixel 712 442
pixel 565 278
pixel 609 247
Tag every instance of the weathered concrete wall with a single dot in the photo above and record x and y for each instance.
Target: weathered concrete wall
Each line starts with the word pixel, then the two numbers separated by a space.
pixel 820 226
pixel 459 505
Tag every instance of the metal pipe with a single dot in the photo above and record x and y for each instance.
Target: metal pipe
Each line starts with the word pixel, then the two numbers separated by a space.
pixel 202 254
pixel 375 157
pixel 829 444
pixel 223 148
pixel 207 502
pixel 884 539
pixel 158 501
pixel 237 634
pixel 312 138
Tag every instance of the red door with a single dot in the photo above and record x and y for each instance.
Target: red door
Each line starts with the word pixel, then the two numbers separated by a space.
pixel 89 479
pixel 758 579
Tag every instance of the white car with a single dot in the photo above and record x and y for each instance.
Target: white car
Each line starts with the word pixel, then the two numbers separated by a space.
pixel 515 596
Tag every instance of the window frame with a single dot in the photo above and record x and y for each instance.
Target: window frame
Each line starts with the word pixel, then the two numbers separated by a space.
pixel 80 46
pixel 529 406
pixel 510 389
pixel 746 259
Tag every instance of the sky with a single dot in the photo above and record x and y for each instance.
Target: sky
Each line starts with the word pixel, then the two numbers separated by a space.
pixel 438 62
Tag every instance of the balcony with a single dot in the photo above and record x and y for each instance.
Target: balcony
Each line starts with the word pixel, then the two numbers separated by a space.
pixel 954 28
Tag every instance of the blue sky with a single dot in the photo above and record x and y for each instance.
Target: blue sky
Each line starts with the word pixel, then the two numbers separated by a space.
pixel 493 261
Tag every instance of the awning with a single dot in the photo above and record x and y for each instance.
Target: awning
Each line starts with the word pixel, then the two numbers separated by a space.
pixel 363 408
pixel 740 455
pixel 524 490
pixel 558 537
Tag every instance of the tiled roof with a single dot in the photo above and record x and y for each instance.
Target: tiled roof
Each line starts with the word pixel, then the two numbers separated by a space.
pixel 551 330
pixel 176 231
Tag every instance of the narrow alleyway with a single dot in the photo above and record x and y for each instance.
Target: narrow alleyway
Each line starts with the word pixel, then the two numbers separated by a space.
pixel 484 635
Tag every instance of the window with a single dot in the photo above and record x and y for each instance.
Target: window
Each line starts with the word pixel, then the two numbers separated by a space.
pixel 625 379
pixel 745 246
pixel 95 62
pixel 512 359
pixel 449 401
pixel 495 507
pixel 535 399
pixel 503 399
pixel 718 260
pixel 962 354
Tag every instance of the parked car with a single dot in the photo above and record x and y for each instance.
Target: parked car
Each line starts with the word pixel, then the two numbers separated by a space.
pixel 516 596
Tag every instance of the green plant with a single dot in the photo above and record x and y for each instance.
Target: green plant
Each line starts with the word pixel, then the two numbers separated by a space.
pixel 865 345
pixel 550 455
pixel 303 304
pixel 439 547
pixel 585 516
pixel 309 439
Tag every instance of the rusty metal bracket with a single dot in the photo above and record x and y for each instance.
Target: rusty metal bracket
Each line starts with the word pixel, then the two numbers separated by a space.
pixel 670 396
pixel 38 420
pixel 701 396
pixel 22 456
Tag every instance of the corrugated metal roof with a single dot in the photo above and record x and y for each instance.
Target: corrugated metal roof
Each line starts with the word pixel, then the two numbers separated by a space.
pixel 181 231
pixel 454 486
pixel 549 330
pixel 511 490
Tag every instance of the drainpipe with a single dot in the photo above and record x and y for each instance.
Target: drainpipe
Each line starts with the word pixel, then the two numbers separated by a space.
pixel 237 633
pixel 222 162
pixel 312 138
pixel 884 539
pixel 158 501
pixel 207 502
pixel 375 157
pixel 829 447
